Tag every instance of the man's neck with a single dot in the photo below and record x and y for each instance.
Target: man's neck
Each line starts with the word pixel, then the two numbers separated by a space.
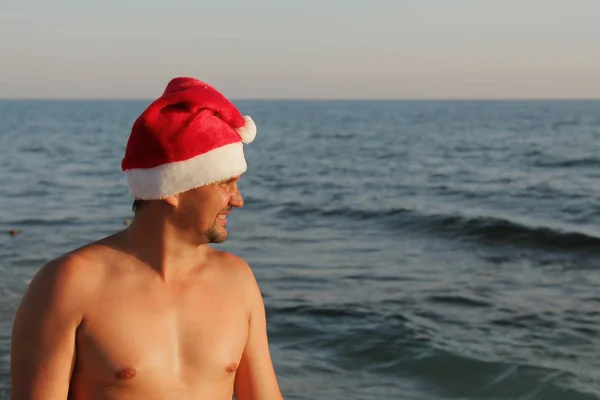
pixel 164 248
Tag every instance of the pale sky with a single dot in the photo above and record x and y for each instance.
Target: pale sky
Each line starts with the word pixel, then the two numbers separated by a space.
pixel 403 49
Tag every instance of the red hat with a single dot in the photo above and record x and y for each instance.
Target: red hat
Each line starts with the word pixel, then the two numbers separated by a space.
pixel 189 137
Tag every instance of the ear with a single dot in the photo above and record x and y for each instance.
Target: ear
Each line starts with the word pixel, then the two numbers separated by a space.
pixel 173 201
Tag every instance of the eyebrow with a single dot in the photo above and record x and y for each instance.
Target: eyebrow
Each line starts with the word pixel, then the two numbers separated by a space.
pixel 229 180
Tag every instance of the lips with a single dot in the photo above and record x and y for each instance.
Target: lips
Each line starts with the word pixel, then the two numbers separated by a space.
pixel 222 216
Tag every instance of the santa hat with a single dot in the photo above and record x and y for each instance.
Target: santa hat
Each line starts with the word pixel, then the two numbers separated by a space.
pixel 189 137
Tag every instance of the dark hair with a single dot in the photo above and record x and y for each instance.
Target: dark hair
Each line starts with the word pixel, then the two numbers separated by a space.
pixel 137 205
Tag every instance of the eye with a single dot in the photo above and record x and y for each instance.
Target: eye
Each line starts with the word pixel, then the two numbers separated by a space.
pixel 229 182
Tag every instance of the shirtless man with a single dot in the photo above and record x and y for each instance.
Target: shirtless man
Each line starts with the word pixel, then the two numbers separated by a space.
pixel 153 312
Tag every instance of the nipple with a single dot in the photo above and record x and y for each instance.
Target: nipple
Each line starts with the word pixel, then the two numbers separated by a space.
pixel 125 374
pixel 231 367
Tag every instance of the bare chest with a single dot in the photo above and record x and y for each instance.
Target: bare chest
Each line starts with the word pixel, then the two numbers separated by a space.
pixel 138 340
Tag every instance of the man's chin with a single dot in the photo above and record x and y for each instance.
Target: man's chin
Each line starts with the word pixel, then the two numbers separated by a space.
pixel 220 236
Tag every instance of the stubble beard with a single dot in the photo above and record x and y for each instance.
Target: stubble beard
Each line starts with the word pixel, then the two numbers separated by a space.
pixel 213 235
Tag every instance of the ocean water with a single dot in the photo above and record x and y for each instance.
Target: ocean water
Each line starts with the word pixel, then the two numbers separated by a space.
pixel 405 249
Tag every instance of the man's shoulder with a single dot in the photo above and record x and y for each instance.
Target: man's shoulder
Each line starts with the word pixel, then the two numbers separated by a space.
pixel 78 262
pixel 58 293
pixel 230 260
pixel 68 275
pixel 236 267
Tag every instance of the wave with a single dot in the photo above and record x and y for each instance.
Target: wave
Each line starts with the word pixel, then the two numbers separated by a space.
pixel 487 229
pixel 50 221
pixel 502 230
pixel 572 163
pixel 295 209
pixel 386 345
pixel 463 301
pixel 332 312
pixel 488 379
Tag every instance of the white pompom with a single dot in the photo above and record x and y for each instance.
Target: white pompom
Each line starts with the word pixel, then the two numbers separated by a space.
pixel 248 131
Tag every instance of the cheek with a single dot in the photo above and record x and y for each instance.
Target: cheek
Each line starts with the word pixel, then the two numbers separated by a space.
pixel 202 212
pixel 209 209
pixel 198 215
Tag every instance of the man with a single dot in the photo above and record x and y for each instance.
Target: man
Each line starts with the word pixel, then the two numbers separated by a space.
pixel 153 312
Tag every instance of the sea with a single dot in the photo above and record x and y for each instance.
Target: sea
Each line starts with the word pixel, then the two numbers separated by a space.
pixel 405 249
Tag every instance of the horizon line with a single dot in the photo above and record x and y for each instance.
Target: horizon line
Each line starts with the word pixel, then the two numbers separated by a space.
pixel 323 99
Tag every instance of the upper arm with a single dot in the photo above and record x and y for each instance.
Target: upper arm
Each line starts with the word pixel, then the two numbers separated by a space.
pixel 255 377
pixel 43 336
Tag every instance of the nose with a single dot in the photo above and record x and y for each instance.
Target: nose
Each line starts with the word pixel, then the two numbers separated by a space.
pixel 236 199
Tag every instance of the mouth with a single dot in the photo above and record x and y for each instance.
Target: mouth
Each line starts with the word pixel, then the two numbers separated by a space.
pixel 222 217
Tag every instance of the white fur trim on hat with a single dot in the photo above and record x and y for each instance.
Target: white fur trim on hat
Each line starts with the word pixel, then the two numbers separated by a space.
pixel 169 179
pixel 248 131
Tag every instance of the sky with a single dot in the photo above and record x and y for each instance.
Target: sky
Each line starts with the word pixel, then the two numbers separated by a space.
pixel 289 49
